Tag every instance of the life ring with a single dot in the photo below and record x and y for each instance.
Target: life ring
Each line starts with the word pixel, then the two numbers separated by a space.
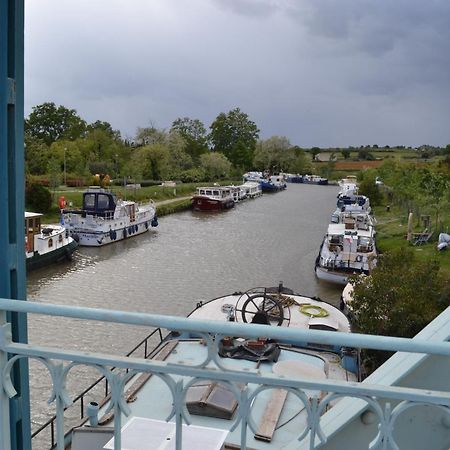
pixel 359 258
pixel 313 310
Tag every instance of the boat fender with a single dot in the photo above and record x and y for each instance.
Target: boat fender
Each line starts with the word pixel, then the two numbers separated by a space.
pixel 313 310
pixel 136 228
pixel 146 225
pixel 124 233
pixel 111 235
pixel 114 235
pixel 359 258
pixel 130 230
pixel 155 222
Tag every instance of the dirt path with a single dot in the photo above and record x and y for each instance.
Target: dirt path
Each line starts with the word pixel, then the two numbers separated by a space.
pixel 172 200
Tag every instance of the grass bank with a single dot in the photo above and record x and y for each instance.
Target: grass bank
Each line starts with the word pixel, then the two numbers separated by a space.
pixel 74 197
pixel 392 228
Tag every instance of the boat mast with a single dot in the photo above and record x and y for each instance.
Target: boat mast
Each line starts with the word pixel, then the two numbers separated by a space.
pixel 12 222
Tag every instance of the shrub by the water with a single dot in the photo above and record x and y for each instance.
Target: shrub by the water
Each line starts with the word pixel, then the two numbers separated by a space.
pixel 38 198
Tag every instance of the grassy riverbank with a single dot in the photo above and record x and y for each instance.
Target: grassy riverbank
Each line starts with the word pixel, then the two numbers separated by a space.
pixel 392 227
pixel 168 199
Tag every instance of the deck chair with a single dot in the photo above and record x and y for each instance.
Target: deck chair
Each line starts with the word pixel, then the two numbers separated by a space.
pixel 422 238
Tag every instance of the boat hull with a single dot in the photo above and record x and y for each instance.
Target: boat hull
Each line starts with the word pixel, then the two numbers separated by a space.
pixel 201 203
pixel 38 260
pixel 101 236
pixel 331 276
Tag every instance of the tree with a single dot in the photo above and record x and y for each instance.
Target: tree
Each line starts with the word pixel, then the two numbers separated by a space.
pixel 401 296
pixel 314 152
pixel 235 135
pixel 369 188
pixel 194 133
pixel 49 123
pixel 38 198
pixel 346 153
pixel 215 165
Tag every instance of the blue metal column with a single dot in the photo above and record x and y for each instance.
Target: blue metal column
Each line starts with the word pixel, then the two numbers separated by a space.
pixel 12 199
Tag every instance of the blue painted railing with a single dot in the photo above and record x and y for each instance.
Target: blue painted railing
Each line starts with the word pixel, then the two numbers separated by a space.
pixel 60 362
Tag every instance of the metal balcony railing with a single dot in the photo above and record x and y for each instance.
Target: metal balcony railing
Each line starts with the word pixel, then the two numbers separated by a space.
pixel 387 403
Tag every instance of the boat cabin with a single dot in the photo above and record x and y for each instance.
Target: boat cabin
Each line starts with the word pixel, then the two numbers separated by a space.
pixel 32 228
pixel 98 201
pixel 215 192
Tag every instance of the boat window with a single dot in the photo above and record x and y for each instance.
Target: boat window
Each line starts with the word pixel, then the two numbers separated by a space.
pixel 102 201
pixel 208 193
pixel 50 242
pixel 89 201
pixel 201 191
pixel 215 192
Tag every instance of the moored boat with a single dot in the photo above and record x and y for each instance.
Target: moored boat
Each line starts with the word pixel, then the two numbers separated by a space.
pixel 348 248
pixel 46 244
pixel 212 407
pixel 314 179
pixel 348 185
pixel 104 218
pixel 252 189
pixel 214 198
pixel 273 183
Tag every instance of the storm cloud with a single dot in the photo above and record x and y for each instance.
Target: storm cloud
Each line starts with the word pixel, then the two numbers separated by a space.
pixel 320 72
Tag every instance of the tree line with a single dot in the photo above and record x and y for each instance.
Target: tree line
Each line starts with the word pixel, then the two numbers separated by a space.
pixel 63 147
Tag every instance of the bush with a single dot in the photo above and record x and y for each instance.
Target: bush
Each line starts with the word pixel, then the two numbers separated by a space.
pixel 38 198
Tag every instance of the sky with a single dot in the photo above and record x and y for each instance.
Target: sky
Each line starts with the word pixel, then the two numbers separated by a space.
pixel 326 73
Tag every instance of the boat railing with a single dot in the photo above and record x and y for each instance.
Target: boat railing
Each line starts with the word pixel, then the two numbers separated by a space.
pixel 385 403
pixel 142 346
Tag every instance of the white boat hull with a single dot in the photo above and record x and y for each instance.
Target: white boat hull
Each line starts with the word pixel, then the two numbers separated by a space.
pixel 96 231
pixel 332 276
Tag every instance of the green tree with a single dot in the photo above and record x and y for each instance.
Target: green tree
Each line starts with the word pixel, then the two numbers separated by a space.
pixel 235 135
pixel 194 133
pixel 345 153
pixel 49 123
pixel 215 165
pixel 402 295
pixel 38 198
pixel 36 155
pixel 314 152
pixel 369 188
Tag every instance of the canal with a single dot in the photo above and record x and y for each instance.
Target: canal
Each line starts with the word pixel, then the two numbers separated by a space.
pixel 191 256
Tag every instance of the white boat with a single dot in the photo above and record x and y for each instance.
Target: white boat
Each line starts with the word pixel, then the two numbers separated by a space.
pixel 45 244
pixel 212 406
pixel 104 218
pixel 353 214
pixel 252 176
pixel 348 185
pixel 348 248
pixel 252 189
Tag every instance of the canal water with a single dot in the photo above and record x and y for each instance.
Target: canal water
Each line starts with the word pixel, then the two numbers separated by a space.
pixel 191 256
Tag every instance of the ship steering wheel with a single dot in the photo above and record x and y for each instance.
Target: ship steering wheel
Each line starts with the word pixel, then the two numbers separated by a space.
pixel 268 311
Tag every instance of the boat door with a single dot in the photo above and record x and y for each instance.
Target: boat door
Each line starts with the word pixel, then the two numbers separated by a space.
pixel 32 227
pixel 132 213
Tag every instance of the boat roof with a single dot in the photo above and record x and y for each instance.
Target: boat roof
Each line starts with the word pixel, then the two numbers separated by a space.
pixel 291 362
pixel 32 214
pixel 339 228
pixel 303 313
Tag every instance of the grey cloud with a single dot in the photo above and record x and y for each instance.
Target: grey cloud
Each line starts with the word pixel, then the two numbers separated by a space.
pixel 250 8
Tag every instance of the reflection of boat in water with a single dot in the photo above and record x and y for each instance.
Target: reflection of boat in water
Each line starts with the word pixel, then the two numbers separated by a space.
pixel 215 198
pixel 45 244
pixel 211 406
pixel 104 218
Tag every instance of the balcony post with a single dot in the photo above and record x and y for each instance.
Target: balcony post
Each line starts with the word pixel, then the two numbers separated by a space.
pixel 12 197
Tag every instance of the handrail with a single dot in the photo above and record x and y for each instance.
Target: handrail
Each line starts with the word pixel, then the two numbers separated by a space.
pixel 212 368
pixel 80 397
pixel 231 328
